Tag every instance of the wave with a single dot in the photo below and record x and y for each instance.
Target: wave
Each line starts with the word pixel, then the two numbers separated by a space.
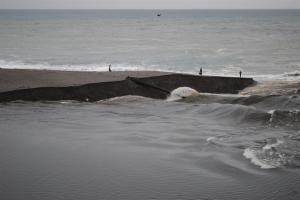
pixel 181 93
pixel 79 67
pixel 234 114
pixel 275 153
pixel 229 112
pixel 226 70
pixel 274 87
pixel 124 99
pixel 285 76
pixel 288 118
pixel 239 110
pixel 269 110
pixel 263 102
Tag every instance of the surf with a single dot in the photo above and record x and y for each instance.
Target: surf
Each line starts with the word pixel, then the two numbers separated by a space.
pixel 181 93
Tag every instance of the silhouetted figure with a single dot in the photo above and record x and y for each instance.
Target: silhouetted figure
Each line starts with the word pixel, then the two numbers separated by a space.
pixel 109 69
pixel 240 74
pixel 200 72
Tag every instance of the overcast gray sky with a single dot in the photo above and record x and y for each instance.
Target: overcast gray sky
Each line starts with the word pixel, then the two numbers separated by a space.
pixel 148 4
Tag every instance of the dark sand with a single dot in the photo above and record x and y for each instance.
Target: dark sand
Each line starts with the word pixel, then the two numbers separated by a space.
pixel 49 85
pixel 13 79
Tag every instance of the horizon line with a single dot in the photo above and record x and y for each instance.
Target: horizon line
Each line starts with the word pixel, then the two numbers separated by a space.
pixel 150 9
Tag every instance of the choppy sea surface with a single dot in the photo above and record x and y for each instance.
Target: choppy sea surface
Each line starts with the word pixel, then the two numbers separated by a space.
pixel 203 146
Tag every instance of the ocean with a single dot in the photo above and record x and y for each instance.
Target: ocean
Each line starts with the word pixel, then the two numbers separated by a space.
pixel 206 146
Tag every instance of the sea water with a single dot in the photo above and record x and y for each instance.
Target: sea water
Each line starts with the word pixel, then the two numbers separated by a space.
pixel 202 146
pixel 259 43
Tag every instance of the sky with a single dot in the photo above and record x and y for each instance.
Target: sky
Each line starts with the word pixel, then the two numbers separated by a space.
pixel 149 4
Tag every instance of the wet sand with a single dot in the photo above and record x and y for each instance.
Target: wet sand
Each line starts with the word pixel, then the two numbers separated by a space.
pixel 40 85
pixel 14 79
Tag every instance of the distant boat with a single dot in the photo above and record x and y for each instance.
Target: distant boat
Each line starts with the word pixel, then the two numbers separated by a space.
pixel 159 14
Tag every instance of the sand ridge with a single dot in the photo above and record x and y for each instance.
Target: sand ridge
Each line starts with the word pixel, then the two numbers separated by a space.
pixel 14 79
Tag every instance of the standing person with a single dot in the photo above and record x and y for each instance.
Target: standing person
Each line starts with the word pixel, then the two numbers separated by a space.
pixel 240 74
pixel 200 72
pixel 109 69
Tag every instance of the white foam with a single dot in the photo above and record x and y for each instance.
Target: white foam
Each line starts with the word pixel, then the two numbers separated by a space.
pixel 66 102
pixel 267 157
pixel 251 154
pixel 271 112
pixel 80 67
pixel 226 70
pixel 209 139
pixel 182 92
pixel 270 146
pixel 286 76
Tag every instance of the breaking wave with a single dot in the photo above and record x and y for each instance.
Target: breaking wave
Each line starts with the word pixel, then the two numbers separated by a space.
pixel 272 112
pixel 220 70
pixel 77 67
pixel 275 153
pixel 181 93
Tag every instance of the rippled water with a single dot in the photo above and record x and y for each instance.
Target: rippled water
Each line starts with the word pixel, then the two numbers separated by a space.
pixel 258 42
pixel 130 147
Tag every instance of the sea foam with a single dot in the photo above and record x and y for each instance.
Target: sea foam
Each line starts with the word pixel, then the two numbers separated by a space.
pixel 182 92
pixel 267 157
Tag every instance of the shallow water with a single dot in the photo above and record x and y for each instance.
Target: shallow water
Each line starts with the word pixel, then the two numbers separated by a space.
pixel 139 148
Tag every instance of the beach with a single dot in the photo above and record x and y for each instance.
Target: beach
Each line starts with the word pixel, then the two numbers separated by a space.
pixel 38 85
pixel 14 79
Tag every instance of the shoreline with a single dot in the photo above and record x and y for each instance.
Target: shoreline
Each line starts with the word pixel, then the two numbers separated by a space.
pixel 15 79
pixel 36 85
